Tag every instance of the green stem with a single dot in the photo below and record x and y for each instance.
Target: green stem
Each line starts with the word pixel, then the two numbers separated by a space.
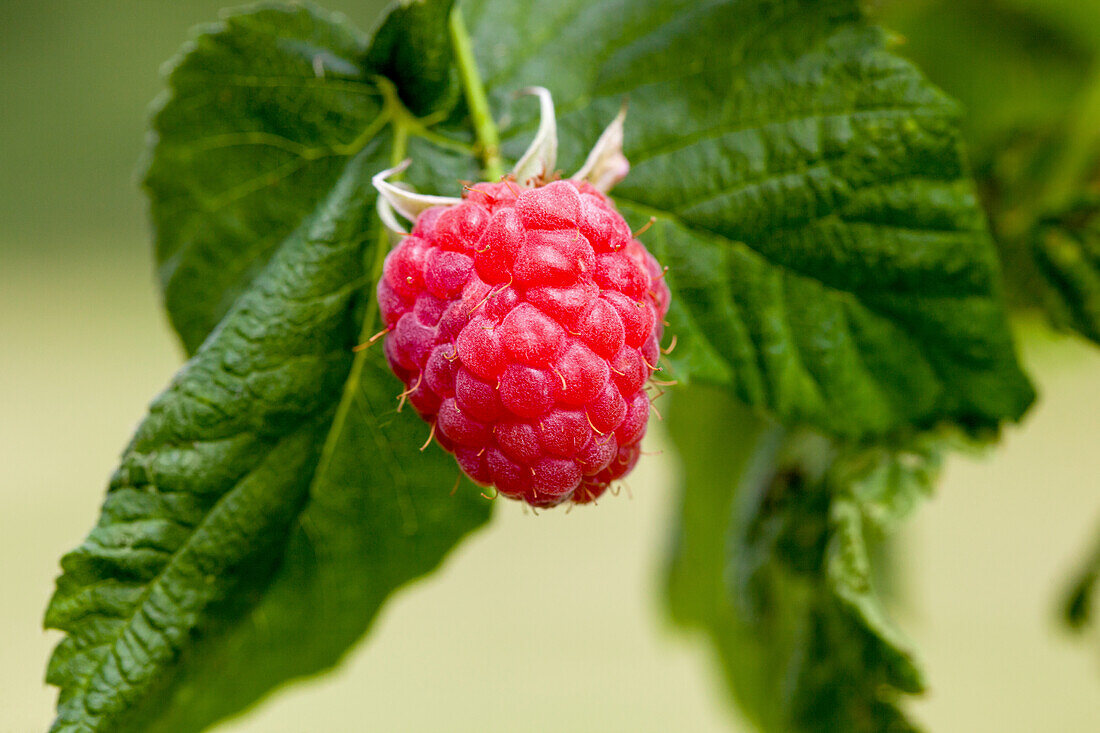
pixel 488 140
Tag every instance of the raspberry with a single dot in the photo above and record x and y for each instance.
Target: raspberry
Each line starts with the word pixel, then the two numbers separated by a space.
pixel 524 320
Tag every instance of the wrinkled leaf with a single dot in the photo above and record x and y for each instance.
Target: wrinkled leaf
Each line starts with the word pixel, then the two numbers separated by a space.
pixel 826 251
pixel 773 563
pixel 273 498
pixel 263 111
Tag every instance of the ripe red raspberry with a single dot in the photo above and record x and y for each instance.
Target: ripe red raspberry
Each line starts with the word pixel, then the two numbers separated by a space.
pixel 525 323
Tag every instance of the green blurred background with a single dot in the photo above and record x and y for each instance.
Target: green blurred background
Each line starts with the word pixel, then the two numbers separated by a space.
pixel 85 347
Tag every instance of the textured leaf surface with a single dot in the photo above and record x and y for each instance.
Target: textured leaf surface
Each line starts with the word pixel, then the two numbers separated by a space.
pixel 773 563
pixel 263 110
pixel 825 248
pixel 273 498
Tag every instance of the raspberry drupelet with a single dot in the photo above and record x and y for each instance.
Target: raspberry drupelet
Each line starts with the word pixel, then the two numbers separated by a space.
pixel 525 322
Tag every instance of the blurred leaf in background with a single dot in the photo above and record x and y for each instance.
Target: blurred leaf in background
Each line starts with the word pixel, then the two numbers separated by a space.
pixel 772 560
pixel 1067 252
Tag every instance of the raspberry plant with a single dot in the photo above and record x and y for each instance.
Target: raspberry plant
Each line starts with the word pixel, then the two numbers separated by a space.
pixel 825 268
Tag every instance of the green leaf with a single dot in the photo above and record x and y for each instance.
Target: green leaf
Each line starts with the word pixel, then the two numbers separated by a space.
pixel 380 514
pixel 263 111
pixel 803 639
pixel 412 48
pixel 705 423
pixel 826 252
pixel 273 498
pixel 1067 251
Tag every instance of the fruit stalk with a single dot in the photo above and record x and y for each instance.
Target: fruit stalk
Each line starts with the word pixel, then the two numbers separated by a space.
pixel 488 140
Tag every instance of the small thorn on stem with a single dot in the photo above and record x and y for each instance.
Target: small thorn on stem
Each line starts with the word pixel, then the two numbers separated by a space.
pixel 496 493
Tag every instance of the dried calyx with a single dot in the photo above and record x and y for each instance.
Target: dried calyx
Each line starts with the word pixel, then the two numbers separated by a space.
pixel 604 167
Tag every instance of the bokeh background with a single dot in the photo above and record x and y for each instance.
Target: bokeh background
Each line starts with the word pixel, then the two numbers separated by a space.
pixel 84 347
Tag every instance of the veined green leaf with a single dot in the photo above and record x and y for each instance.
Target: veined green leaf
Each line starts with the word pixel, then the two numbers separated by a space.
pixel 273 498
pixel 263 110
pixel 826 252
